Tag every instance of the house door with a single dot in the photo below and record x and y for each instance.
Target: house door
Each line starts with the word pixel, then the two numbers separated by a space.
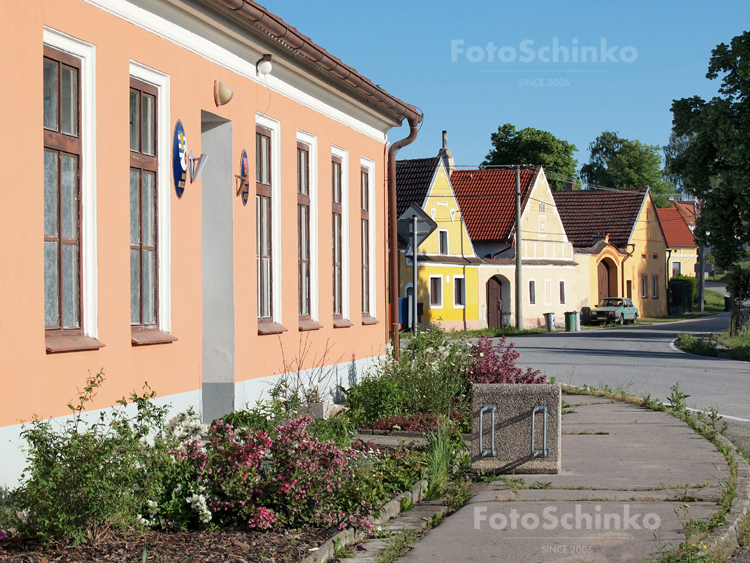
pixel 494 303
pixel 603 274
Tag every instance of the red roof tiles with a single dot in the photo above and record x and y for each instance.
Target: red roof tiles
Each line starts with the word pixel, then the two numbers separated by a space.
pixel 687 210
pixel 589 215
pixel 487 200
pixel 675 228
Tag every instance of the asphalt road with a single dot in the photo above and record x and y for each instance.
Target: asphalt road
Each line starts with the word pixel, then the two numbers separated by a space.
pixel 641 359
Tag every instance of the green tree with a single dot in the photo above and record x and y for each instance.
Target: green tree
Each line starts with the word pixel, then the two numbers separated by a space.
pixel 715 163
pixel 532 146
pixel 615 162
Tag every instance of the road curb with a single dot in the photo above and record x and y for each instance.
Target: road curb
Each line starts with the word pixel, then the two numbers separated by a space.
pixel 725 540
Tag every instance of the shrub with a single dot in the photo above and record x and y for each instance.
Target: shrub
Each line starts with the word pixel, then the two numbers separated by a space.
pixel 693 285
pixel 373 398
pixel 497 364
pixel 86 477
pixel 696 345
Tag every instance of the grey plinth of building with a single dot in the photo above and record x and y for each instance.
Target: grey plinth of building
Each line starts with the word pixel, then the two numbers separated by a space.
pixel 508 414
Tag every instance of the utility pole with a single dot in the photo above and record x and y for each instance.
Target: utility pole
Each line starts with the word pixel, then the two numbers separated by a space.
pixel 701 276
pixel 519 291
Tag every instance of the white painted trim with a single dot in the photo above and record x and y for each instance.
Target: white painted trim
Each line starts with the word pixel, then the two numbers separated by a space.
pixel 429 293
pixel 542 229
pixel 343 154
pixel 276 291
pixel 195 32
pixel 312 142
pixel 162 83
pixel 372 212
pixel 548 284
pixel 89 271
pixel 457 305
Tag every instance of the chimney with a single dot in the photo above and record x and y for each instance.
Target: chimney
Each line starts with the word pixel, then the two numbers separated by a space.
pixel 570 184
pixel 445 154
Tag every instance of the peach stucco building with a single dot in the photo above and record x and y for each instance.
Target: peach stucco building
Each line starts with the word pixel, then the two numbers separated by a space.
pixel 119 258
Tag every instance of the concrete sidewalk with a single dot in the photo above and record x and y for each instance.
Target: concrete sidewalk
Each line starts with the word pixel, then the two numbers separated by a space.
pixel 626 471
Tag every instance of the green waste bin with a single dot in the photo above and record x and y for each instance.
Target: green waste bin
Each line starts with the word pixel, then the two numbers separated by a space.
pixel 570 321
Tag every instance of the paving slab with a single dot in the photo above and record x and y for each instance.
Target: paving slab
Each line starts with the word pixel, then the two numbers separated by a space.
pixel 616 498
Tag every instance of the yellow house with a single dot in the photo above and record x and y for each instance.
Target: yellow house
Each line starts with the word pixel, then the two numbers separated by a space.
pixel 548 270
pixel 447 267
pixel 682 250
pixel 620 246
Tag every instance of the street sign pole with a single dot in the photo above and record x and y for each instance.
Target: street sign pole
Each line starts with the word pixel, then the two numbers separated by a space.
pixel 414 280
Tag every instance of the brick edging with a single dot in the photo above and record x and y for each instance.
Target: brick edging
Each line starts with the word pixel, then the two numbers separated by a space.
pixel 725 540
pixel 388 511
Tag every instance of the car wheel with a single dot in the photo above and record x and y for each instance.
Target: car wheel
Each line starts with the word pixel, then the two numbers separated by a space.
pixel 621 320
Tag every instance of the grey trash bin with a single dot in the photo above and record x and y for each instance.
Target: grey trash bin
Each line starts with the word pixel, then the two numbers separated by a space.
pixel 549 320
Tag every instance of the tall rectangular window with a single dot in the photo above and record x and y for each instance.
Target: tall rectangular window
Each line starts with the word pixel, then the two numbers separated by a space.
pixel 436 291
pixel 676 268
pixel 459 292
pixel 532 292
pixel 644 287
pixel 443 241
pixel 337 211
pixel 655 287
pixel 365 181
pixel 303 228
pixel 562 292
pixel 143 205
pixel 62 192
pixel 263 202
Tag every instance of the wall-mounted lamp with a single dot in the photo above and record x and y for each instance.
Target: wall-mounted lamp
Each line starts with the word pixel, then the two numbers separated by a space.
pixel 222 94
pixel 263 66
pixel 196 164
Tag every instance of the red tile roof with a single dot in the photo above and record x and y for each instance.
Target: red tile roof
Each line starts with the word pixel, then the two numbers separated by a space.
pixel 487 202
pixel 675 228
pixel 687 210
pixel 589 215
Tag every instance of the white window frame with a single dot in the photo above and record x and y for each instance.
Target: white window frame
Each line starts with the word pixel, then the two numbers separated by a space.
pixel 455 304
pixel 563 292
pixel 164 187
pixel 343 154
pixel 672 268
pixel 370 165
pixel 275 127
pixel 441 233
pixel 532 294
pixel 86 52
pixel 442 291
pixel 548 292
pixel 644 287
pixel 655 287
pixel 312 142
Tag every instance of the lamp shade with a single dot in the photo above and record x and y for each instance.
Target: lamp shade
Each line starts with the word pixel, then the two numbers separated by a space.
pixel 265 67
pixel 222 94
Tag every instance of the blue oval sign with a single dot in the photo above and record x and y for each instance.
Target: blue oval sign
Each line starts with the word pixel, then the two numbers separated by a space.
pixel 244 173
pixel 179 158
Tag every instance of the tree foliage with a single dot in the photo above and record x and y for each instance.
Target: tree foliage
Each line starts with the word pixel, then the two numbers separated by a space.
pixel 715 163
pixel 615 162
pixel 533 146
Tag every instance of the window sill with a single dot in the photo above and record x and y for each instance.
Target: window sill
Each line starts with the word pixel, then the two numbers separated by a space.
pixel 270 327
pixel 342 323
pixel 309 324
pixel 368 320
pixel 58 344
pixel 140 336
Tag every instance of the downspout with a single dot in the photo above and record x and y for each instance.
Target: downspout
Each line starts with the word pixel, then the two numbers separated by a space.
pixel 666 277
pixel 622 268
pixel 393 229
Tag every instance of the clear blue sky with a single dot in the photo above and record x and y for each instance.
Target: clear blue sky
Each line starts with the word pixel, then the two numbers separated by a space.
pixel 406 47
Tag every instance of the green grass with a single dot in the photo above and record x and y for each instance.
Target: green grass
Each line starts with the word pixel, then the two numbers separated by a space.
pixel 739 345
pixel 494 332
pixel 702 346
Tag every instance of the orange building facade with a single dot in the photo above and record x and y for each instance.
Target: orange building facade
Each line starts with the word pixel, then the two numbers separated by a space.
pixel 119 259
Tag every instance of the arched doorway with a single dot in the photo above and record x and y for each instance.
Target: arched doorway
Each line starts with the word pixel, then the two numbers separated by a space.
pixel 498 302
pixel 603 276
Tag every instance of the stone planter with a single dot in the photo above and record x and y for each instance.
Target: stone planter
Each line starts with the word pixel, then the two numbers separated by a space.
pixel 508 445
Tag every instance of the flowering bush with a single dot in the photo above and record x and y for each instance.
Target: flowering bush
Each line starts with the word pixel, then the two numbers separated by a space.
pixel 497 365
